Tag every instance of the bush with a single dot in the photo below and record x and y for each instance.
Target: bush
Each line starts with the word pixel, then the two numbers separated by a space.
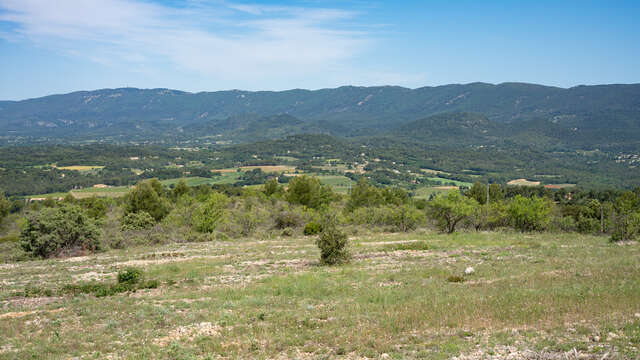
pixel 130 276
pixel 530 214
pixel 312 228
pixel 287 232
pixel 148 196
pixel 288 218
pixel 308 191
pixel 207 216
pixel 626 218
pixel 53 231
pixel 137 221
pixel 332 243
pixel 5 206
pixel 451 208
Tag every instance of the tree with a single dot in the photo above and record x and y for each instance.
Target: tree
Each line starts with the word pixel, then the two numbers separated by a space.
pixel 451 208
pixel 53 231
pixel 271 187
pixel 148 196
pixel 363 194
pixel 626 220
pixel 308 191
pixel 530 214
pixel 180 189
pixel 5 206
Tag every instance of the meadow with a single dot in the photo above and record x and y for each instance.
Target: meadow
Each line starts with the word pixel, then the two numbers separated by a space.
pixel 536 295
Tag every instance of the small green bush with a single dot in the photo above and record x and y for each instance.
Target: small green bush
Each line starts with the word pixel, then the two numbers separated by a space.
pixel 455 279
pixel 287 232
pixel 312 228
pixel 332 243
pixel 54 231
pixel 207 216
pixel 129 276
pixel 137 221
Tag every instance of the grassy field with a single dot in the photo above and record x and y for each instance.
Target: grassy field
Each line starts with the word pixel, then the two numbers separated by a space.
pixel 265 168
pixel 539 296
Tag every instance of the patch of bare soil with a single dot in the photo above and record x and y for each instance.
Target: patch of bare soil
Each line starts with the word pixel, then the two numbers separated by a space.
pixel 189 331
pixel 30 302
pixel 512 353
pixel 19 314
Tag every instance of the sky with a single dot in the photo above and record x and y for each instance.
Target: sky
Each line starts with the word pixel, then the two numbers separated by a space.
pixel 49 47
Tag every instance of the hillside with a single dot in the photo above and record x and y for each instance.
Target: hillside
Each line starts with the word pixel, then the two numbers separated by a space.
pixel 591 112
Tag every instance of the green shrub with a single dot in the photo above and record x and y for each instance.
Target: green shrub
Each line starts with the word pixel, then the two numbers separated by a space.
pixel 332 243
pixel 451 208
pixel 137 221
pixel 287 232
pixel 5 206
pixel 312 228
pixel 130 276
pixel 148 196
pixel 207 216
pixel 54 231
pixel 308 191
pixel 587 225
pixel 529 214
pixel 626 217
pixel 455 279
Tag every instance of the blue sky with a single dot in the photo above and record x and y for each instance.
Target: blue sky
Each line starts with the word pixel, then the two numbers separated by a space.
pixel 49 47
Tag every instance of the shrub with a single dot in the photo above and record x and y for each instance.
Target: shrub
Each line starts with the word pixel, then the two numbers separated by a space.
pixel 332 243
pixel 529 214
pixel 207 216
pixel 588 225
pixel 148 196
pixel 52 231
pixel 308 191
pixel 626 218
pixel 129 276
pixel 5 206
pixel 288 218
pixel 312 228
pixel 287 232
pixel 137 221
pixel 451 208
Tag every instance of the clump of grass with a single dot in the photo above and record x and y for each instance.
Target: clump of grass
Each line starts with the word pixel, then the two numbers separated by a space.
pixel 455 279
pixel 416 245
pixel 129 279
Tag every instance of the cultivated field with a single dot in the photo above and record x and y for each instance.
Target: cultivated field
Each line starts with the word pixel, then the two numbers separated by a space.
pixel 264 168
pixel 540 296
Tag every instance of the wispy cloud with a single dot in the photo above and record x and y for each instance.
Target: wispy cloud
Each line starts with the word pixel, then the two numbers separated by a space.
pixel 222 40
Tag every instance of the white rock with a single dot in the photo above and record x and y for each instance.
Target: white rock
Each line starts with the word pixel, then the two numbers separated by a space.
pixel 469 270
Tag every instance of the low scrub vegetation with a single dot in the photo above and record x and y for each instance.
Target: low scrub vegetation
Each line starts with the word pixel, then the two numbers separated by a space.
pixel 153 214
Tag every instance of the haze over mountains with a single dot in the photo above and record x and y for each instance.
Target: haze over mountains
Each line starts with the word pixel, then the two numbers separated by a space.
pixel 582 116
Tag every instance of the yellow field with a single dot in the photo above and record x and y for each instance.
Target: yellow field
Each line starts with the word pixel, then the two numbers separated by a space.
pixel 523 182
pixel 80 167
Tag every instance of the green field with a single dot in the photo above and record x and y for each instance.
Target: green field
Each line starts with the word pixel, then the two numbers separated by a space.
pixel 541 296
pixel 338 183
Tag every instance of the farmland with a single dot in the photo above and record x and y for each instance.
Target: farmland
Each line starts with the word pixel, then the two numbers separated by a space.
pixel 532 295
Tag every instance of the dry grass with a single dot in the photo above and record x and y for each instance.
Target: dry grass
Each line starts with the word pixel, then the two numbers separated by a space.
pixel 539 296
pixel 80 167
pixel 523 182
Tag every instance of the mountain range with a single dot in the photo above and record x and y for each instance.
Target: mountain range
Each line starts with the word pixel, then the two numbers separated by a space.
pixel 581 117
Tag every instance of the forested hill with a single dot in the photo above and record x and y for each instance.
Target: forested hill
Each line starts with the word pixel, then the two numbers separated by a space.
pixel 346 110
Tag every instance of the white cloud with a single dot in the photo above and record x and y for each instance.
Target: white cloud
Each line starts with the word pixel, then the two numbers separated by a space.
pixel 243 43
